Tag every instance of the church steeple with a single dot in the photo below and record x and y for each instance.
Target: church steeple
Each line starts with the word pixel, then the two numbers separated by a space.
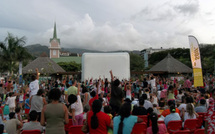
pixel 55 34
pixel 54 44
pixel 55 31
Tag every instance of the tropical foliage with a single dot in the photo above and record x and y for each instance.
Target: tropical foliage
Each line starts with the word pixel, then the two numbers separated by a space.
pixel 136 62
pixel 70 66
pixel 12 51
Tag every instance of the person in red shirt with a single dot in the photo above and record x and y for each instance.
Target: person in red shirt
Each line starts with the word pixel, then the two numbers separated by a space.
pixel 97 120
pixel 167 111
pixel 94 96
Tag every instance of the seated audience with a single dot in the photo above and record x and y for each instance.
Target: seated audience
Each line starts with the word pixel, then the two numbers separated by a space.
pixel 202 108
pixel 155 128
pixel 12 124
pixel 167 111
pixel 124 122
pixel 33 124
pixel 172 116
pixel 139 110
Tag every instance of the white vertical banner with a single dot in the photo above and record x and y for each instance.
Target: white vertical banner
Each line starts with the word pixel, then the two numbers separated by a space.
pixel 196 61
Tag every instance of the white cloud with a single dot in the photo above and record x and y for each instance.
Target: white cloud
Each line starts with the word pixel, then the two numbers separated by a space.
pixel 110 25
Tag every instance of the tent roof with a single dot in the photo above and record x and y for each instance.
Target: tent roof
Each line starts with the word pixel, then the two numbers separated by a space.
pixel 44 64
pixel 170 65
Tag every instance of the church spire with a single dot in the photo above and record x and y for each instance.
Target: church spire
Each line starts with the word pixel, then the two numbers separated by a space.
pixel 55 31
pixel 55 34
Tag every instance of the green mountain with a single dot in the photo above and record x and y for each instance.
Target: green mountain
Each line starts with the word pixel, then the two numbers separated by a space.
pixel 38 50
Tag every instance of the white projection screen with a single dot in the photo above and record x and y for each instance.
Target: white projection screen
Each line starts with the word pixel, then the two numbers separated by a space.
pixel 100 64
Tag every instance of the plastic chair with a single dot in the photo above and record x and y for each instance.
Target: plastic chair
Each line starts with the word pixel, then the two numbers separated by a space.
pixel 139 128
pixel 75 130
pixel 67 126
pixel 174 126
pixel 161 122
pixel 190 124
pixel 31 132
pixel 203 114
pixel 200 121
pixel 182 132
pixel 199 131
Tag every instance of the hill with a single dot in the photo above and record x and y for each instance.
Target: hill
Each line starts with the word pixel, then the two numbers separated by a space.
pixel 37 49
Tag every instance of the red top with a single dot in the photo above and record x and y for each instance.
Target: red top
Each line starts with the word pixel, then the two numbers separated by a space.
pixel 92 100
pixel 167 112
pixel 104 121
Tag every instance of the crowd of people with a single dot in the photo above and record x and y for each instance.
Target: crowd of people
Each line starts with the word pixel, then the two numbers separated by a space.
pixel 105 106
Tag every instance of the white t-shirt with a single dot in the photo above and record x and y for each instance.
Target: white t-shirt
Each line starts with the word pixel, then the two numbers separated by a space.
pixel 182 106
pixel 34 87
pixel 11 101
pixel 21 97
pixel 152 82
pixel 147 104
pixel 77 106
pixel 186 116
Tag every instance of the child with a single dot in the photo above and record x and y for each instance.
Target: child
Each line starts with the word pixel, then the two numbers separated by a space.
pixel 6 109
pixel 21 95
pixel 86 109
pixel 27 105
pixel 12 102
pixel 17 114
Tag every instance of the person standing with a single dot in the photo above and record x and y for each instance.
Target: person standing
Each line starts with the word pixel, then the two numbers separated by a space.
pixel 116 95
pixel 37 102
pixel 34 85
pixel 71 90
pixel 55 114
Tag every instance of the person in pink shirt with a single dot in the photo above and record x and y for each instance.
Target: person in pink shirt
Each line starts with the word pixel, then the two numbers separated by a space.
pixel 187 84
pixel 155 128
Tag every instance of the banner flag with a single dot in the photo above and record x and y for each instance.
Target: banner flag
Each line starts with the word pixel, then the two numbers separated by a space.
pixel 196 61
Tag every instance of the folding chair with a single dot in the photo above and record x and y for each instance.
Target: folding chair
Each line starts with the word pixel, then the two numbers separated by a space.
pixel 161 122
pixel 174 126
pixel 75 130
pixel 67 126
pixel 31 132
pixel 190 124
pixel 139 128
pixel 199 131
pixel 182 132
pixel 200 121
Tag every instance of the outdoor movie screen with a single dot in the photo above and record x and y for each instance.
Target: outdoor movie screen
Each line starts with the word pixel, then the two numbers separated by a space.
pixel 95 65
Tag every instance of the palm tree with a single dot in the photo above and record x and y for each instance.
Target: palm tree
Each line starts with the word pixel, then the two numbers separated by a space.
pixel 11 51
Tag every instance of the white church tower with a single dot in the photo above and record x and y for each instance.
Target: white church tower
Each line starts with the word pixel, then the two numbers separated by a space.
pixel 54 45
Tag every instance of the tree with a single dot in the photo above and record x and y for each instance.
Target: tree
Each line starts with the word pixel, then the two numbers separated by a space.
pixel 136 62
pixel 70 66
pixel 11 52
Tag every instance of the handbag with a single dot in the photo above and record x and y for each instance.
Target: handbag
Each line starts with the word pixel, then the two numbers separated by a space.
pixel 85 127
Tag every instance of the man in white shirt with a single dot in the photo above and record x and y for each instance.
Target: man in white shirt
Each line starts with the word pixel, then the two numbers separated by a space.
pixel 34 85
pixel 153 84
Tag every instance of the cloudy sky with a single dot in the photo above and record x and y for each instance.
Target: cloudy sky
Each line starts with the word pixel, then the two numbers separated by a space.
pixel 110 24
